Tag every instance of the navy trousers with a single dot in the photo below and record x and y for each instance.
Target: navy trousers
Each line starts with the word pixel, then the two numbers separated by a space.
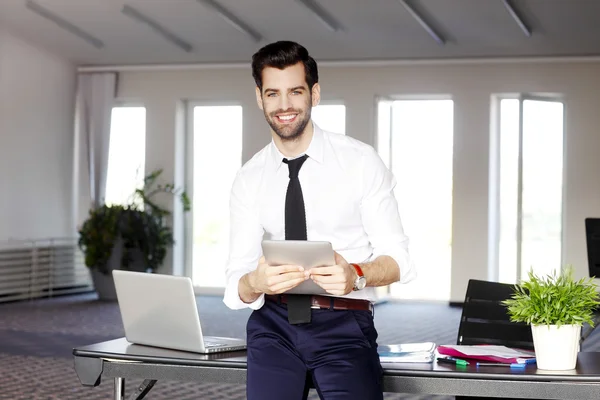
pixel 337 349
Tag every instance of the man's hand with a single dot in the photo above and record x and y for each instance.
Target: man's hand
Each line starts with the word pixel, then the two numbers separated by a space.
pixel 276 279
pixel 337 279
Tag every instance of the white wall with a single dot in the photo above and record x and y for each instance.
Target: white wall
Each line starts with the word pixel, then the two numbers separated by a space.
pixel 36 119
pixel 470 85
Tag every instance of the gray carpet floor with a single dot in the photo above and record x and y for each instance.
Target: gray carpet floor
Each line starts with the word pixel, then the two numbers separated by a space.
pixel 37 338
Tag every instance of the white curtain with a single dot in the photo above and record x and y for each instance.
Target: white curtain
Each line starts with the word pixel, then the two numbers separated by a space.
pixel 95 98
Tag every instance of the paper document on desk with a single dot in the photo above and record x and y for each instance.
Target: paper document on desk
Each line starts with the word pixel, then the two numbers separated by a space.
pixel 485 352
pixel 407 352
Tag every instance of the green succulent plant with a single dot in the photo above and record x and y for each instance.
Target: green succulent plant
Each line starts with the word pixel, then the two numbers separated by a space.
pixel 555 299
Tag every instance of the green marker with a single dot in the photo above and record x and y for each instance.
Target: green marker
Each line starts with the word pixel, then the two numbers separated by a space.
pixel 454 361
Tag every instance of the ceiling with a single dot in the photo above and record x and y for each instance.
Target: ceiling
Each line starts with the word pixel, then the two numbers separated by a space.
pixel 363 29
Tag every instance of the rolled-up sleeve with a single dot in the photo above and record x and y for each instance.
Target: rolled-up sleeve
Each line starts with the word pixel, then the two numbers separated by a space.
pixel 380 215
pixel 245 236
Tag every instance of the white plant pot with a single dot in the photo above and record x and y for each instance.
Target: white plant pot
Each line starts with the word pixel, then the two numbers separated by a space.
pixel 556 347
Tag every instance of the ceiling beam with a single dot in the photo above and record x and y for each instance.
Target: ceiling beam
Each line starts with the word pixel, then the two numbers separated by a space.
pixel 353 63
pixel 514 13
pixel 156 27
pixel 421 20
pixel 64 24
pixel 322 15
pixel 232 19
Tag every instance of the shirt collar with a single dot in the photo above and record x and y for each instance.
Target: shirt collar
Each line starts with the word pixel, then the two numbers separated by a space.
pixel 314 151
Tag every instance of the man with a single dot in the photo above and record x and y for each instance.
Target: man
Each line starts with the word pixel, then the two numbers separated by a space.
pixel 308 184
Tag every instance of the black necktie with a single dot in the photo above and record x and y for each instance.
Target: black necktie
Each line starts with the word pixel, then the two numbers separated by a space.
pixel 295 217
pixel 299 310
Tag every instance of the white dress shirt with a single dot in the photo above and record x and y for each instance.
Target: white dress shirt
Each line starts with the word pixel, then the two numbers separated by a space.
pixel 349 201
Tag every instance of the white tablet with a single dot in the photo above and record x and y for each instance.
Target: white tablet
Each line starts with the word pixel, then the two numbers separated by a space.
pixel 305 253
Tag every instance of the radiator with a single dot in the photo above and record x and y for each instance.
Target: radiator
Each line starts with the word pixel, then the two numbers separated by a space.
pixel 42 268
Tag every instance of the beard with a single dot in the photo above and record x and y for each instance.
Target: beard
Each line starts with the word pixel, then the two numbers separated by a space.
pixel 289 132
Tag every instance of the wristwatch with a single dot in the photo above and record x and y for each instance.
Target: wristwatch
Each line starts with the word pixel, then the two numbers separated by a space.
pixel 360 281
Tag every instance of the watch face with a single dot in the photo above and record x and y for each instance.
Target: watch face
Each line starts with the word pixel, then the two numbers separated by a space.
pixel 360 283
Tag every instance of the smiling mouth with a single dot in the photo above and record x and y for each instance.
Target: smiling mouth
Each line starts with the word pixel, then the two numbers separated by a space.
pixel 287 118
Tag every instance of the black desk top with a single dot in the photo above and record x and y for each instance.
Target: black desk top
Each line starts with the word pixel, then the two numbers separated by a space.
pixel 120 350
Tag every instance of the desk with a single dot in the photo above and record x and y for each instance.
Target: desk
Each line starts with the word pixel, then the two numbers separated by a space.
pixel 120 360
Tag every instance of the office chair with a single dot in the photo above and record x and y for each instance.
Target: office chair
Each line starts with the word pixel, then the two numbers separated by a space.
pixel 485 320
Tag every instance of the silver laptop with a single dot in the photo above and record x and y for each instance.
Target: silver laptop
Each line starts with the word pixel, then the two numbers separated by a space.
pixel 161 311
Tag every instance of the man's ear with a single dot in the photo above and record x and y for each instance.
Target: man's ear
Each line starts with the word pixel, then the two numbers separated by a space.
pixel 316 94
pixel 259 98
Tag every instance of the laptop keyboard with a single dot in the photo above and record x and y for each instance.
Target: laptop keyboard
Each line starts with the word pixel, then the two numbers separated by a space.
pixel 213 343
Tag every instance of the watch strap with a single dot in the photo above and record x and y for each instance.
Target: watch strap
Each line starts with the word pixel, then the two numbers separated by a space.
pixel 360 281
pixel 358 269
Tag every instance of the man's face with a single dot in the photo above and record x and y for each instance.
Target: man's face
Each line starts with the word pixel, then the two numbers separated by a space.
pixel 286 100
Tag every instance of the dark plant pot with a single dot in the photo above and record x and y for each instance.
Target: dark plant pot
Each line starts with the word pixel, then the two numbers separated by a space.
pixel 104 283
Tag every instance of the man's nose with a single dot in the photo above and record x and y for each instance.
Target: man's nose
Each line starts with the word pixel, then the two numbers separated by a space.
pixel 284 102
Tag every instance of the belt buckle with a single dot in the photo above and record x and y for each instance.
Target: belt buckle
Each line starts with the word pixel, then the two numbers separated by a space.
pixel 315 307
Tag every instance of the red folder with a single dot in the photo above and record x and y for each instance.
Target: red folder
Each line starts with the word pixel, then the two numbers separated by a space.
pixel 489 353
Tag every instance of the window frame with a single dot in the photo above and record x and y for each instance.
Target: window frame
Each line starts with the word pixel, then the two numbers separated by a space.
pixel 386 291
pixel 495 175
pixel 189 181
pixel 125 103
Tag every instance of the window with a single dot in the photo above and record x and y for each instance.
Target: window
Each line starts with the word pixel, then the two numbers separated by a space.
pixel 330 117
pixel 415 140
pixel 126 154
pixel 217 157
pixel 530 187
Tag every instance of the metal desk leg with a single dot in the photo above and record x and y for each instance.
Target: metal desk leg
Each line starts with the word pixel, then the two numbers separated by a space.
pixel 119 389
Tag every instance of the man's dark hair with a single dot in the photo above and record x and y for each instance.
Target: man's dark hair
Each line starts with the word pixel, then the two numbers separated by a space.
pixel 281 55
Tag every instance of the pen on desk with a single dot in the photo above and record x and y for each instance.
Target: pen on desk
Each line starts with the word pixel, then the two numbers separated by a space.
pixel 512 365
pixel 454 361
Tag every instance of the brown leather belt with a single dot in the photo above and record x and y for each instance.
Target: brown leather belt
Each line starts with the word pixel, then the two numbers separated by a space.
pixel 334 303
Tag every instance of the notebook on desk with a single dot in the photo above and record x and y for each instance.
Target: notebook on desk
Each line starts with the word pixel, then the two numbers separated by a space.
pixel 161 311
pixel 407 352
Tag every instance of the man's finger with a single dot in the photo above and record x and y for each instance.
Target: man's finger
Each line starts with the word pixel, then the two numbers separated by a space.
pixel 330 286
pixel 328 278
pixel 277 279
pixel 287 285
pixel 282 269
pixel 328 270
pixel 335 289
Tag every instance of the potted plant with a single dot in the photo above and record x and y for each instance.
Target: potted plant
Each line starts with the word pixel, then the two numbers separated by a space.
pixel 133 236
pixel 556 307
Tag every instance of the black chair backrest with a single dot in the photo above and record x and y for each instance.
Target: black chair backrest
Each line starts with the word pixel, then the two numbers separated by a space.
pixel 485 320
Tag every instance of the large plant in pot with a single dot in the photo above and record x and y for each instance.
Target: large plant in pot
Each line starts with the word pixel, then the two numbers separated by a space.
pixel 556 306
pixel 133 236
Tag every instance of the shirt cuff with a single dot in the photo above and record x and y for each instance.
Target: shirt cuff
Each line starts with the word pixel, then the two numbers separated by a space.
pixel 408 271
pixel 232 294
